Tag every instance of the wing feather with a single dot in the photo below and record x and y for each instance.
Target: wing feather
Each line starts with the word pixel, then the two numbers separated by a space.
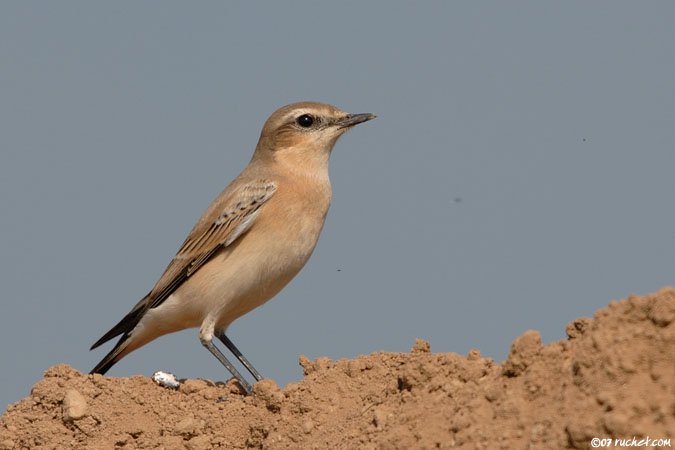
pixel 226 219
pixel 232 219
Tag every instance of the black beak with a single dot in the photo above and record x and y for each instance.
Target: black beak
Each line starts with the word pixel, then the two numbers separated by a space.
pixel 355 119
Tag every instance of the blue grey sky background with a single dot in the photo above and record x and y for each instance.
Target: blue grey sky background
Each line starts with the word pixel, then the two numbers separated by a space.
pixel 520 173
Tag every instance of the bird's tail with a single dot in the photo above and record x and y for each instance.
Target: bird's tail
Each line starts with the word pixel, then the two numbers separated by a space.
pixel 123 327
pixel 113 356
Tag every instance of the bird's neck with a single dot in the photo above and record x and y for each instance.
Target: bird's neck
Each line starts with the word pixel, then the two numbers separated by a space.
pixel 314 169
pixel 309 164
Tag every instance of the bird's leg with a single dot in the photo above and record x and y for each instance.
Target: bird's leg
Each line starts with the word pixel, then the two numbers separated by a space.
pixel 228 365
pixel 242 359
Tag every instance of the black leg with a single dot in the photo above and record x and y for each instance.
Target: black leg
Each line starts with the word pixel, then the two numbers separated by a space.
pixel 242 359
pixel 228 365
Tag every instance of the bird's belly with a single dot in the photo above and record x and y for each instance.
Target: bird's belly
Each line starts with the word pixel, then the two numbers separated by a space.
pixel 243 276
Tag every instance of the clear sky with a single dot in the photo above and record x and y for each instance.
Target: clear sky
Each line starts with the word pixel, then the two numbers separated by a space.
pixel 521 172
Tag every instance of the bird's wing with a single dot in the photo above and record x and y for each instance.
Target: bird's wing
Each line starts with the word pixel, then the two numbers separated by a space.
pixel 220 226
pixel 227 218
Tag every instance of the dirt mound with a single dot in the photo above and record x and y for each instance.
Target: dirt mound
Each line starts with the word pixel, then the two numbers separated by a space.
pixel 613 378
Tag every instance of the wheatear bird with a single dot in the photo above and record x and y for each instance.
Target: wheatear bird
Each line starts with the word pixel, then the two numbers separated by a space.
pixel 249 243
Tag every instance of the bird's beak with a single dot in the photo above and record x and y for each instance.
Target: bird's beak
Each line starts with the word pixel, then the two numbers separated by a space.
pixel 354 119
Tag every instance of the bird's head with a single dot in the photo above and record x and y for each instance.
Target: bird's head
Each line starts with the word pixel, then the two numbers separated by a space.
pixel 305 132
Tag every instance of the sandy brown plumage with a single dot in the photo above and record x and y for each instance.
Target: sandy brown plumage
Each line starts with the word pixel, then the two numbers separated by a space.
pixel 250 242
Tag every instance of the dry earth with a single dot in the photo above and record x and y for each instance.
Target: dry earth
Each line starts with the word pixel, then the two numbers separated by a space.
pixel 613 378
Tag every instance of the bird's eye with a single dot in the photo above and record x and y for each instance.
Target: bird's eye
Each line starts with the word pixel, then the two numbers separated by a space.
pixel 305 121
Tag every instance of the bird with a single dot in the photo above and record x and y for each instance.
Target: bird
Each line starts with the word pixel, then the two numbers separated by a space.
pixel 253 238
